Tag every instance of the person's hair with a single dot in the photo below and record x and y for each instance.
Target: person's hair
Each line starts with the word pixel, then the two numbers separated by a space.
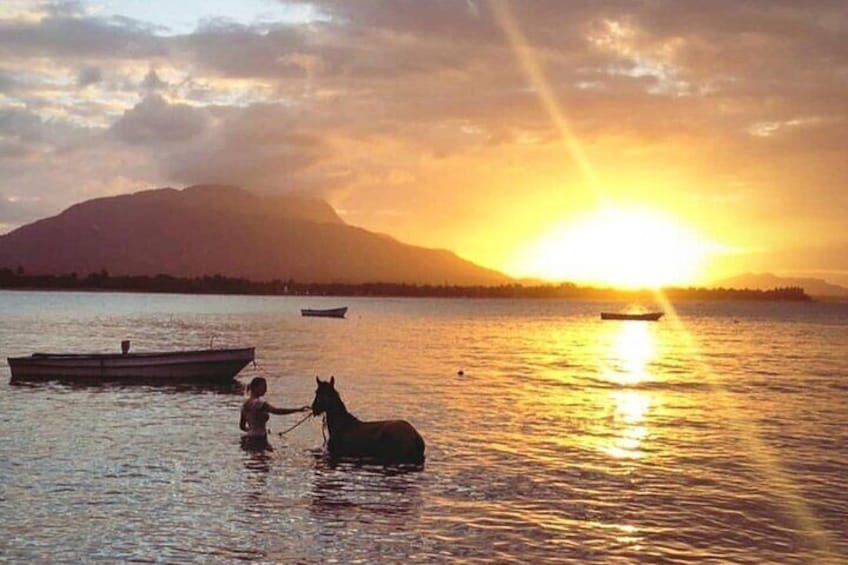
pixel 256 383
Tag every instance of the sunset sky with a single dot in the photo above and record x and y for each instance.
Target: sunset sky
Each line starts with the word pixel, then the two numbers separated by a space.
pixel 597 141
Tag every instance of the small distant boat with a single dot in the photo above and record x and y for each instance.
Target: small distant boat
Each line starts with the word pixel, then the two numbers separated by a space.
pixel 325 313
pixel 203 366
pixel 646 317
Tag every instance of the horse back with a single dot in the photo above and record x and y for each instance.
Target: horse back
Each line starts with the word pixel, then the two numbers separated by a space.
pixel 387 440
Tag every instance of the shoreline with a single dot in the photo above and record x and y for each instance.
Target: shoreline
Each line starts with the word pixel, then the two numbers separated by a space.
pixel 219 285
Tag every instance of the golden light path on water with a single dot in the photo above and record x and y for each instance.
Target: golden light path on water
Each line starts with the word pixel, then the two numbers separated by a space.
pixel 635 348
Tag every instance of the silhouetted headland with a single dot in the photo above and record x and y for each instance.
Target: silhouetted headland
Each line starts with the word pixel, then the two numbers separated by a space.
pixel 209 229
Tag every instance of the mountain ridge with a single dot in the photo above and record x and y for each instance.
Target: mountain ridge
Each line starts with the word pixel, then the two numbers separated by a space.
pixel 219 229
pixel 765 281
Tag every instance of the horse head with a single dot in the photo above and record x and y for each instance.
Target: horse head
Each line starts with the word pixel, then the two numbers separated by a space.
pixel 326 397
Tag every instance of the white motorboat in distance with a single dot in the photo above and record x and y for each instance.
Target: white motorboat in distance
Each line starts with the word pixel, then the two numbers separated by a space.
pixel 202 366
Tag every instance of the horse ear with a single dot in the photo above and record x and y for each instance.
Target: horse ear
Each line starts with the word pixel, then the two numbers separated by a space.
pixel 317 380
pixel 332 381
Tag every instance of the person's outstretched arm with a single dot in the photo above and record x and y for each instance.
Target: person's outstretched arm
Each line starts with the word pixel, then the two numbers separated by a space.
pixel 274 410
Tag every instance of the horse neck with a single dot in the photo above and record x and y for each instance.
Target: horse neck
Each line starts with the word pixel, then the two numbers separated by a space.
pixel 338 418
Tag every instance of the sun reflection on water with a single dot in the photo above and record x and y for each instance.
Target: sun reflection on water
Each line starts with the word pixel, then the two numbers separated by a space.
pixel 629 354
pixel 628 359
pixel 628 429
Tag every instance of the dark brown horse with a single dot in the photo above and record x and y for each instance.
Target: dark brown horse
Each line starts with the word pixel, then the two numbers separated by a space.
pixel 387 441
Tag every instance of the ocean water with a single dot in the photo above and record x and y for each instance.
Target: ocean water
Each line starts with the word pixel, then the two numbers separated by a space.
pixel 717 435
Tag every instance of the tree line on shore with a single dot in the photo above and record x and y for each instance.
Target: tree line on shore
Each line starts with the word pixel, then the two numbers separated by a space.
pixel 219 284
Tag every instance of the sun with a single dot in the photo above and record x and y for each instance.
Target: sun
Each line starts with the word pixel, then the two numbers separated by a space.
pixel 620 247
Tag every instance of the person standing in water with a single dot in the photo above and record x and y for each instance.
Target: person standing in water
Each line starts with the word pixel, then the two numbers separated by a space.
pixel 254 415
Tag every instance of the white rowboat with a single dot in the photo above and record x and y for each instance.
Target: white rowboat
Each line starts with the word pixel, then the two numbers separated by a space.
pixel 328 313
pixel 198 366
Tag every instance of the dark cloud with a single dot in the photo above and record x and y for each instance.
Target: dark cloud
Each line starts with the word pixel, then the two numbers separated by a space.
pixel 64 8
pixel 67 37
pixel 152 82
pixel 22 125
pixel 7 82
pixel 89 75
pixel 260 147
pixel 154 121
pixel 268 55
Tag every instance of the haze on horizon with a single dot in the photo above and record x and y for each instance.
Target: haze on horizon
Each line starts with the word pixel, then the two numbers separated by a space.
pixel 619 142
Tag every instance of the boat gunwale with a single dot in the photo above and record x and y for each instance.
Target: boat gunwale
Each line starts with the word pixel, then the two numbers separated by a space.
pixel 134 355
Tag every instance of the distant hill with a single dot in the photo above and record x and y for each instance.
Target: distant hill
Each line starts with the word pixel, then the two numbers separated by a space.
pixel 209 229
pixel 765 281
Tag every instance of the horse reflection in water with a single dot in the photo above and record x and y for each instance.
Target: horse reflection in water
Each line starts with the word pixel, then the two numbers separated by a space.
pixel 350 492
pixel 387 441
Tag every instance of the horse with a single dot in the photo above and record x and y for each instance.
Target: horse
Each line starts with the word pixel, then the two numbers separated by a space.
pixel 386 441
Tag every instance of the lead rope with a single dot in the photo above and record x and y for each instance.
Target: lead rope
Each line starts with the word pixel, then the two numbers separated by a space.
pixel 287 430
pixel 324 428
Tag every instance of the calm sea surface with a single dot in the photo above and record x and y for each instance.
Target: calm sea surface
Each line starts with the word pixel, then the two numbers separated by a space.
pixel 716 435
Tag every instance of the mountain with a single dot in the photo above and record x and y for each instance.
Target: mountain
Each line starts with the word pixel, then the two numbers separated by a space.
pixel 210 229
pixel 766 281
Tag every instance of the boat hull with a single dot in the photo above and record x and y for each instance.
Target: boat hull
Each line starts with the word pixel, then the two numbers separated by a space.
pixel 648 317
pixel 328 313
pixel 200 366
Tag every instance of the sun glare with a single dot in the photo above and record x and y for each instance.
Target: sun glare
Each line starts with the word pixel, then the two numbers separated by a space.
pixel 624 248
